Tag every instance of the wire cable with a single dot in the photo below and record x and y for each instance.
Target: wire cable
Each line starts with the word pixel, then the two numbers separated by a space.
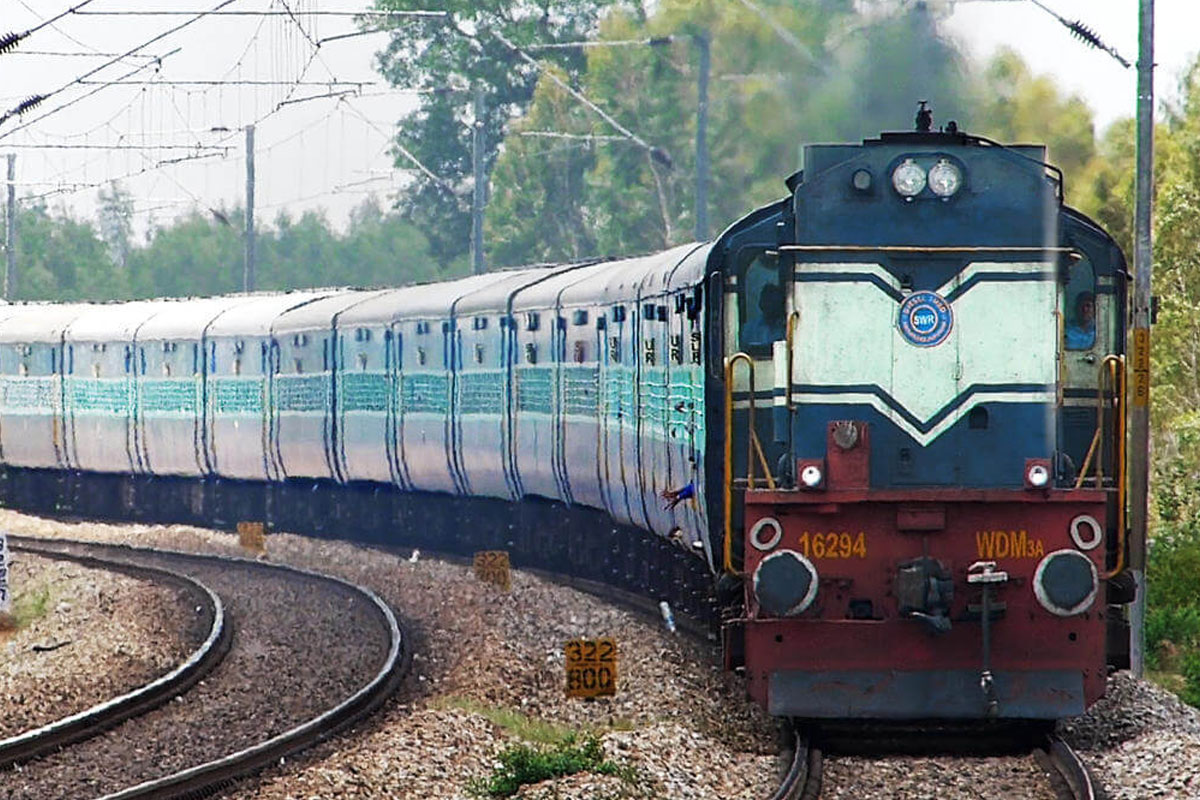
pixel 1081 32
pixel 11 40
pixel 656 153
pixel 41 98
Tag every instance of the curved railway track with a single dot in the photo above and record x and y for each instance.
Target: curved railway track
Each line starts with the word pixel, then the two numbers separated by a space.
pixel 1070 777
pixel 252 709
pixel 92 721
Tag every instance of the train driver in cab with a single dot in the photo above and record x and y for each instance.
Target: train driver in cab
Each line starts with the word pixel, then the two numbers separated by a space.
pixel 1081 327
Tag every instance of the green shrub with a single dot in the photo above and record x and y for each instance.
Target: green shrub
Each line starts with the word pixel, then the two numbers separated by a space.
pixel 521 764
pixel 1191 678
pixel 1169 628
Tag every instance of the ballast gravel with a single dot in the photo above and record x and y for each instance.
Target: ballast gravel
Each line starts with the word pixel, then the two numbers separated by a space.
pixel 84 636
pixel 489 671
pixel 299 647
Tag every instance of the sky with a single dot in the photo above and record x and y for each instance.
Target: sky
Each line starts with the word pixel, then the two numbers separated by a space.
pixel 177 146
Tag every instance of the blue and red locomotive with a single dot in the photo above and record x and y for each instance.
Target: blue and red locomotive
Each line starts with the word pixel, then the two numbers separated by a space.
pixel 884 415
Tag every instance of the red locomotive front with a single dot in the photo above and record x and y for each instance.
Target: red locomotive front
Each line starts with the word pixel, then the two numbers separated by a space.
pixel 924 425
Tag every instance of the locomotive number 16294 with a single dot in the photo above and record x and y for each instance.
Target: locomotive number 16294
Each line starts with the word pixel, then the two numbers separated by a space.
pixel 833 545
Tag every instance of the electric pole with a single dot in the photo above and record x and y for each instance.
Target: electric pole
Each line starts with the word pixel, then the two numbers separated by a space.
pixel 248 265
pixel 10 231
pixel 703 44
pixel 479 194
pixel 1139 458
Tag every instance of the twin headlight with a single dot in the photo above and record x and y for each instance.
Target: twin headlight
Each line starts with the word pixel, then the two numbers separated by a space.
pixel 909 178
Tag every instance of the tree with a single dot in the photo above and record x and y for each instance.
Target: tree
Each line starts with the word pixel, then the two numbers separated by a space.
pixel 197 255
pixel 116 221
pixel 836 74
pixel 60 258
pixel 458 55
pixel 1013 105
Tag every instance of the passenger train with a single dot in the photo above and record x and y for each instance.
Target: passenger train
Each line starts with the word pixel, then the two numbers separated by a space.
pixel 874 430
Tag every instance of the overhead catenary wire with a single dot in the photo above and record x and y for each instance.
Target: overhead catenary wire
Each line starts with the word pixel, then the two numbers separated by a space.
pixel 657 153
pixel 1082 32
pixel 24 125
pixel 404 151
pixel 652 41
pixel 792 40
pixel 133 12
pixel 11 40
pixel 197 17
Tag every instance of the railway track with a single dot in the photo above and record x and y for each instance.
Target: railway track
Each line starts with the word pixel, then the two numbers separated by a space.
pixel 310 655
pixel 92 721
pixel 805 772
pixel 1010 761
pixel 1070 777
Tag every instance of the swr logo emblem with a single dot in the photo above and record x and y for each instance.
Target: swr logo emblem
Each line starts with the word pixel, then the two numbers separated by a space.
pixel 925 319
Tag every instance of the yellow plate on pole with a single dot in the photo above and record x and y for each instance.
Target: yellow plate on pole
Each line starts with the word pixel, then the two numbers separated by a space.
pixel 491 566
pixel 253 536
pixel 591 667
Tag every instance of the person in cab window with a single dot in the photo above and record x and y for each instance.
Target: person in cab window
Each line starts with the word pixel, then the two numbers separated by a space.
pixel 1081 328
pixel 765 326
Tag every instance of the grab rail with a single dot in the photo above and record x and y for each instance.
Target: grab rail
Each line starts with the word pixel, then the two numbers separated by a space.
pixel 1114 368
pixel 792 321
pixel 753 448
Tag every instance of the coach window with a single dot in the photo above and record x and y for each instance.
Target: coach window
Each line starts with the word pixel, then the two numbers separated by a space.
pixel 1079 299
pixel 762 302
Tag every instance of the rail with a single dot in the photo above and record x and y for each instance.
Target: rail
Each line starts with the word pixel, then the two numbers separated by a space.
pixel 205 779
pixel 803 779
pixel 1074 782
pixel 91 721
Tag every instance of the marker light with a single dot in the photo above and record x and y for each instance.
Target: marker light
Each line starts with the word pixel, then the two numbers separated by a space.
pixel 1038 476
pixel 944 178
pixel 811 476
pixel 909 178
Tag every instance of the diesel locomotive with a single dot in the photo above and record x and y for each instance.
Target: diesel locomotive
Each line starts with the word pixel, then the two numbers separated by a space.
pixel 878 424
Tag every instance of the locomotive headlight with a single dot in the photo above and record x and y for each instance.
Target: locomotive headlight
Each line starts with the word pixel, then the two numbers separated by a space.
pixel 944 178
pixel 1065 583
pixel 909 178
pixel 785 583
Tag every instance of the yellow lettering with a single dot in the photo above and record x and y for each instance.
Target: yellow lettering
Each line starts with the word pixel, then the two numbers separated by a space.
pixel 1003 545
pixel 985 543
pixel 1039 550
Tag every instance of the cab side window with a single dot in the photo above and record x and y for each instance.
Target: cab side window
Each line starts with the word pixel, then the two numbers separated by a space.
pixel 1079 301
pixel 762 302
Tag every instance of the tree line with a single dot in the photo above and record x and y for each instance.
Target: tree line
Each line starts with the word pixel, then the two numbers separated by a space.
pixel 565 183
pixel 60 257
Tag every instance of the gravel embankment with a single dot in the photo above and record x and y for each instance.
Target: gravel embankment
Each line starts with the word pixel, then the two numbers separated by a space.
pixel 300 647
pixel 682 724
pixel 87 635
pixel 678 719
pixel 1139 742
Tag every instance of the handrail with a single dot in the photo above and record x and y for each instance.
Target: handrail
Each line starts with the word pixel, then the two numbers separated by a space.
pixel 1114 367
pixel 728 476
pixel 792 321
pixel 753 448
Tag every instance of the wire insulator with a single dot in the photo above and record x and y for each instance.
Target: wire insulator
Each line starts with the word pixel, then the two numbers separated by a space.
pixel 31 102
pixel 1086 34
pixel 10 40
